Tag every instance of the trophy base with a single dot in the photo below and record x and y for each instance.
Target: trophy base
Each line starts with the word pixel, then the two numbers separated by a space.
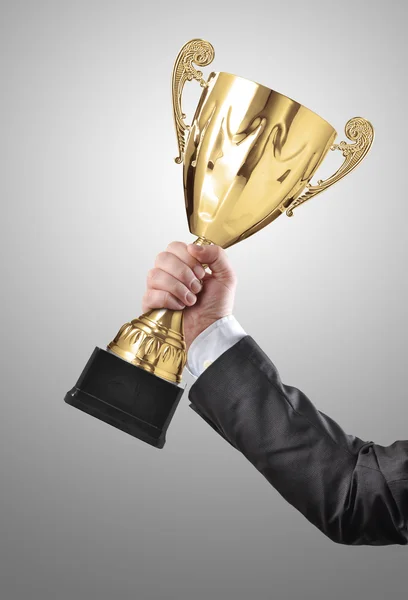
pixel 126 397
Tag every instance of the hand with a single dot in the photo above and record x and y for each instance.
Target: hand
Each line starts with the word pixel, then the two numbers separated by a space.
pixel 174 283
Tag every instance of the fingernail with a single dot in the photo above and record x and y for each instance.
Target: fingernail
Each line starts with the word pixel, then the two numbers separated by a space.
pixel 190 298
pixel 199 272
pixel 197 248
pixel 181 306
pixel 195 286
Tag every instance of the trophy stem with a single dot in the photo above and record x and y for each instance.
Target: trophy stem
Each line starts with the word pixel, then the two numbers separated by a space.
pixel 155 341
pixel 202 241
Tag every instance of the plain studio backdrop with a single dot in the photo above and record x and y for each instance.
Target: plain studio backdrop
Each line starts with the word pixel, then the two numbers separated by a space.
pixel 89 195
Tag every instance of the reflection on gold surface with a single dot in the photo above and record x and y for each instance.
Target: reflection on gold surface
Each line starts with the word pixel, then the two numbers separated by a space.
pixel 248 156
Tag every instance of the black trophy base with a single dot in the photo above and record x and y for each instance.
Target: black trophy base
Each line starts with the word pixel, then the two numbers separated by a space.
pixel 126 397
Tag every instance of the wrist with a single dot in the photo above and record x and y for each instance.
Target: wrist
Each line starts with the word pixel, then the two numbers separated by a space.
pixel 212 342
pixel 192 333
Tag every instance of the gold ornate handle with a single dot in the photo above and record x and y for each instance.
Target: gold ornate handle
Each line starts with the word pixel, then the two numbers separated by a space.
pixel 202 54
pixel 362 133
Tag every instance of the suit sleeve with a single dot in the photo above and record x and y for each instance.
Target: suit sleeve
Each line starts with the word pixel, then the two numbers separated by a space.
pixel 354 491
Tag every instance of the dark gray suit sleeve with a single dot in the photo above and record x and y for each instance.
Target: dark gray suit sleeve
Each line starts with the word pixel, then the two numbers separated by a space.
pixel 355 492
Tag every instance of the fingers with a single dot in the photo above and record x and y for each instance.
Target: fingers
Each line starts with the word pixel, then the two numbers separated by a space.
pixel 157 279
pixel 160 299
pixel 180 270
pixel 179 249
pixel 215 257
pixel 174 282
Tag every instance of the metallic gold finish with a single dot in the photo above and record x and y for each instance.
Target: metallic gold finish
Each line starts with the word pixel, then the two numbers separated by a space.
pixel 154 342
pixel 250 156
pixel 357 129
pixel 202 241
pixel 201 53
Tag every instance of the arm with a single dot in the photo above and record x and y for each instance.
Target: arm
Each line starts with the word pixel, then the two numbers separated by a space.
pixel 355 492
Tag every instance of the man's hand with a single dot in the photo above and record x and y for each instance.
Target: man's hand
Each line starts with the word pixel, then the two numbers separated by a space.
pixel 174 283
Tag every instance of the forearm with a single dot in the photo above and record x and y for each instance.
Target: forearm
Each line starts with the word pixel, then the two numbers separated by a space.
pixel 338 482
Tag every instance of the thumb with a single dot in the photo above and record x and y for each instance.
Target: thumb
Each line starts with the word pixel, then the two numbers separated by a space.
pixel 214 256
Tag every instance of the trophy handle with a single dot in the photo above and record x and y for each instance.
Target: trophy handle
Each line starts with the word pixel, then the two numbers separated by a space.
pixel 202 54
pixel 362 133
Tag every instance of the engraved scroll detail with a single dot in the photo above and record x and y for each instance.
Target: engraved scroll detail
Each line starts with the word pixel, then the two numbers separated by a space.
pixel 202 54
pixel 361 132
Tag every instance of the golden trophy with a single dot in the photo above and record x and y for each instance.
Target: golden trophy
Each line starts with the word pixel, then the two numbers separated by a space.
pixel 248 156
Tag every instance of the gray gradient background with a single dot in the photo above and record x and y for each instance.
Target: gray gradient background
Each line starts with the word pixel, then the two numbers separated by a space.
pixel 89 195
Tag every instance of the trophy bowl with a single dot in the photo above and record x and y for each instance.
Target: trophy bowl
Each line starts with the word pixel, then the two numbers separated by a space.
pixel 248 156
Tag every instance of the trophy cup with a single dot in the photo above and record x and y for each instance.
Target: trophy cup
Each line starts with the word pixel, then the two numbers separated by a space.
pixel 248 156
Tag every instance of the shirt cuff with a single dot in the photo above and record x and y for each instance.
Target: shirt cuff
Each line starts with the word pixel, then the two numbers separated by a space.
pixel 212 342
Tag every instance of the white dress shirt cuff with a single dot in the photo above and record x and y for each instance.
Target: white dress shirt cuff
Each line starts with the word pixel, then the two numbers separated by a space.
pixel 212 342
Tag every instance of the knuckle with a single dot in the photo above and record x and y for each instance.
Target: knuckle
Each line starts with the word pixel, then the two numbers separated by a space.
pixel 166 299
pixel 218 252
pixel 176 246
pixel 180 290
pixel 162 257
pixel 146 300
pixel 186 276
pixel 153 274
